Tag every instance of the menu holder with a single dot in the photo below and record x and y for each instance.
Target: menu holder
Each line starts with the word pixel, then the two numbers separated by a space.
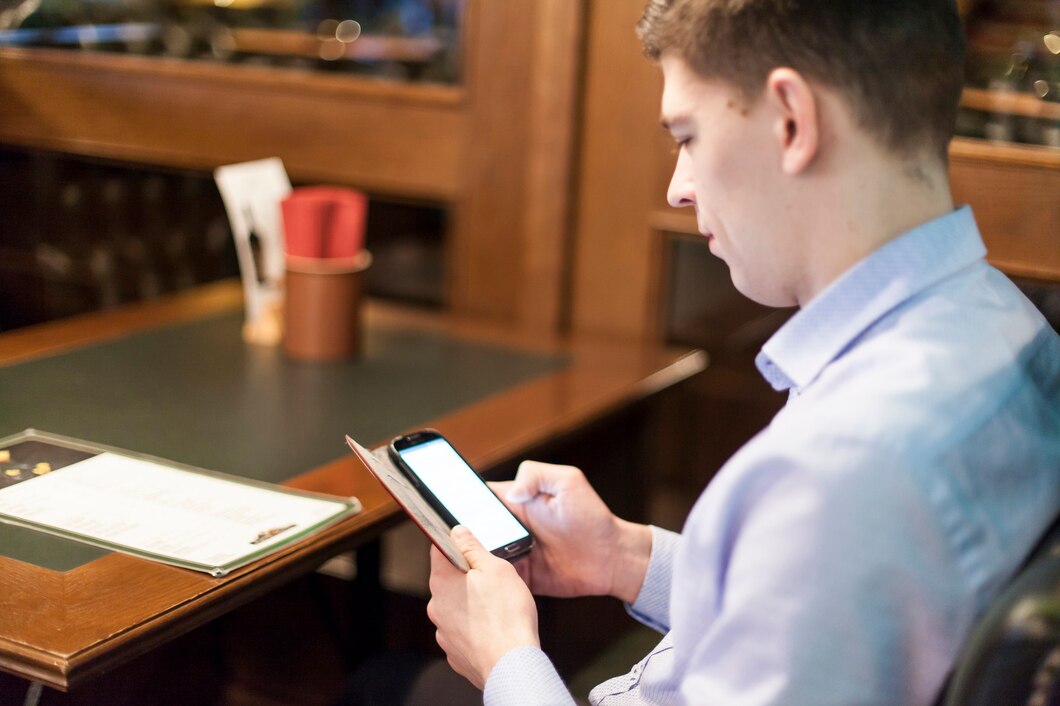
pixel 154 508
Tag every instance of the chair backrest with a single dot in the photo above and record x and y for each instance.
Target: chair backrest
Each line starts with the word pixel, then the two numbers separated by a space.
pixel 1013 655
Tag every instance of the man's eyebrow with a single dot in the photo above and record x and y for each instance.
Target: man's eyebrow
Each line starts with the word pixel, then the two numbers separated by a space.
pixel 671 123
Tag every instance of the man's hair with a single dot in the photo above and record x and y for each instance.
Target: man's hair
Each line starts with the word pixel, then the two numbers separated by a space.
pixel 899 64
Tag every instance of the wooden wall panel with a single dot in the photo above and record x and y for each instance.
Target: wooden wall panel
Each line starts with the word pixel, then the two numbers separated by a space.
pixel 549 157
pixel 487 249
pixel 616 259
pixel 403 140
pixel 556 87
pixel 498 150
pixel 1015 194
pixel 512 228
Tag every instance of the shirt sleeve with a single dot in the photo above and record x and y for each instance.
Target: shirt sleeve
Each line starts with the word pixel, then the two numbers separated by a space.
pixel 652 606
pixel 525 676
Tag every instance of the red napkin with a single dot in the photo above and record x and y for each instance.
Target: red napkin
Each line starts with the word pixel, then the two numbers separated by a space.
pixel 324 221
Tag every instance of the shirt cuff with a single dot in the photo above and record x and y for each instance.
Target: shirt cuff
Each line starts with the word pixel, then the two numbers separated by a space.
pixel 525 676
pixel 652 606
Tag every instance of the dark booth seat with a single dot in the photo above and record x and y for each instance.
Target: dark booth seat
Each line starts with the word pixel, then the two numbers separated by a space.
pixel 1013 655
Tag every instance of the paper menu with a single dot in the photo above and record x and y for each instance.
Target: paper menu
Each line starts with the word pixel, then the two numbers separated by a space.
pixel 160 510
pixel 380 465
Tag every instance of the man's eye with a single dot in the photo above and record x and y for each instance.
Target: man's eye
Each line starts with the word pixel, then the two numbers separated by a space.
pixel 682 144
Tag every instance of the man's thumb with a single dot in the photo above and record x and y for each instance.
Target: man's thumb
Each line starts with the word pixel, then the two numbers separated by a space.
pixel 469 546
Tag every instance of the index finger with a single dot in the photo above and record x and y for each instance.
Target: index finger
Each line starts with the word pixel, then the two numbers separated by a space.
pixel 500 488
pixel 440 561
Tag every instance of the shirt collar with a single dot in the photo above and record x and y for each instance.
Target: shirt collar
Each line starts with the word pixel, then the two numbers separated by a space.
pixel 797 353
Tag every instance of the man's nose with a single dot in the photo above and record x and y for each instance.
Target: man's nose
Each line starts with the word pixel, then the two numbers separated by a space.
pixel 682 188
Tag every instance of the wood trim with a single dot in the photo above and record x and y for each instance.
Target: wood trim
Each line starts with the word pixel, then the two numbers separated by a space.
pixel 674 221
pixel 508 255
pixel 387 138
pixel 661 276
pixel 617 178
pixel 225 75
pixel 413 50
pixel 555 91
pixel 1006 154
pixel 1011 103
pixel 486 252
pixel 1013 191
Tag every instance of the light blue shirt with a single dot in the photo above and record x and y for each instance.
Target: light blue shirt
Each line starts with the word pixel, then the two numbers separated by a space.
pixel 844 553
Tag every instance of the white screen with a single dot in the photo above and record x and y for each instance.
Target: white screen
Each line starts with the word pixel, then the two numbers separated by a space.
pixel 461 491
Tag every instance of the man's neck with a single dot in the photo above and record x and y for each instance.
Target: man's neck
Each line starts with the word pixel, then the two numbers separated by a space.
pixel 865 209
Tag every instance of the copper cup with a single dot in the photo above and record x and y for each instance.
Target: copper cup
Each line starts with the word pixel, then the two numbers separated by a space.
pixel 322 307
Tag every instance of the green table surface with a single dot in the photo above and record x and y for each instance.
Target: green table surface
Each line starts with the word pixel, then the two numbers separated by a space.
pixel 195 393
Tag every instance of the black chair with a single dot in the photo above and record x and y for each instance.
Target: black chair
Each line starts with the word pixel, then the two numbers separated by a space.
pixel 1013 655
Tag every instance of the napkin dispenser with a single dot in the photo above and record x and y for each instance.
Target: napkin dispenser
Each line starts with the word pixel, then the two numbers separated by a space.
pixel 324 230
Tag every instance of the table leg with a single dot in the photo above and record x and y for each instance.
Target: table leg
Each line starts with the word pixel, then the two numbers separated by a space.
pixel 33 694
pixel 366 592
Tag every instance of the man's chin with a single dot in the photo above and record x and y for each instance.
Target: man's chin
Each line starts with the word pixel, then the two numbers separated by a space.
pixel 760 294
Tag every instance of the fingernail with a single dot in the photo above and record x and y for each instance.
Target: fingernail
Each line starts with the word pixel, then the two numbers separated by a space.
pixel 459 532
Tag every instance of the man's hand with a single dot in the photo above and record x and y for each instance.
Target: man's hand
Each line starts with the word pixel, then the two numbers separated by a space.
pixel 482 614
pixel 580 547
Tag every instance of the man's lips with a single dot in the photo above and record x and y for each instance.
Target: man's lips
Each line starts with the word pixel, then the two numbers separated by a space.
pixel 710 239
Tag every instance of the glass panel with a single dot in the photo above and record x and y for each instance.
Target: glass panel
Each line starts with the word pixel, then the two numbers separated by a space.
pixel 400 39
pixel 1012 90
pixel 83 234
pixel 703 307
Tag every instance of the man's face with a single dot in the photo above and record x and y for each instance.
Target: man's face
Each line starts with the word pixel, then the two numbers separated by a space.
pixel 728 169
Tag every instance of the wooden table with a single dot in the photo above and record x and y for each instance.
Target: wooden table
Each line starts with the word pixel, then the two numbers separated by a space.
pixel 62 628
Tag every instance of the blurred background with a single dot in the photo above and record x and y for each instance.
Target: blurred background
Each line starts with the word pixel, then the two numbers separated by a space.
pixel 510 174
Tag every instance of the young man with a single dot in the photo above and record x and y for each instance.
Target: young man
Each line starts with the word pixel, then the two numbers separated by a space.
pixel 843 555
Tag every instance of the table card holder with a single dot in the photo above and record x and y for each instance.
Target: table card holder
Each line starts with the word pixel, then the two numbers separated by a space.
pixel 252 193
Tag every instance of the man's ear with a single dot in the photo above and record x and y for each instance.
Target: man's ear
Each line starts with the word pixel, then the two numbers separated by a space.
pixel 797 127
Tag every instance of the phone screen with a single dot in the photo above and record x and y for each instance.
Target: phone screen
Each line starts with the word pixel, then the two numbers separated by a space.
pixel 460 490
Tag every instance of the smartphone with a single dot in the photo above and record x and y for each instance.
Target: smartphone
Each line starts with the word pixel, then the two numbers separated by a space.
pixel 458 494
